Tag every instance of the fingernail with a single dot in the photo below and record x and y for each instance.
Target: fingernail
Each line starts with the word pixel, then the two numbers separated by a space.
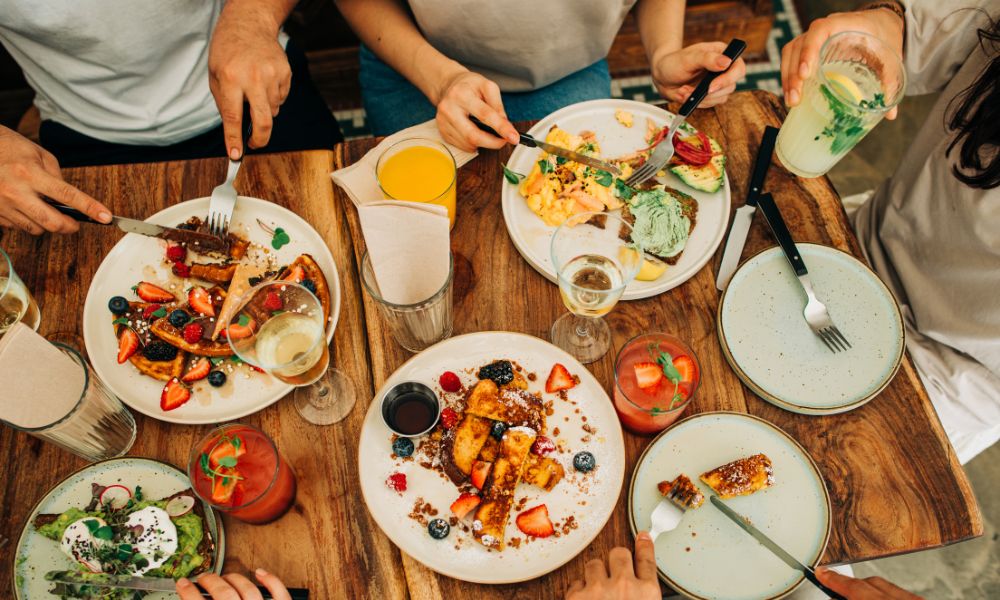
pixel 104 216
pixel 644 535
pixel 183 583
pixel 234 154
pixel 793 97
pixel 261 573
pixel 804 70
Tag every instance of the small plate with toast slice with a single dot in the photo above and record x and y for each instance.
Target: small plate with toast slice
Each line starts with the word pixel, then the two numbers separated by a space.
pixel 521 473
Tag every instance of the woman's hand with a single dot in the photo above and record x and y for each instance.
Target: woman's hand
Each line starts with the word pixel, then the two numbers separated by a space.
pixel 800 57
pixel 621 579
pixel 467 93
pixel 677 73
pixel 870 588
pixel 233 587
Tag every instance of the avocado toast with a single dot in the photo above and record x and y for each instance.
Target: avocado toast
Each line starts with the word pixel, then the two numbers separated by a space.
pixel 662 220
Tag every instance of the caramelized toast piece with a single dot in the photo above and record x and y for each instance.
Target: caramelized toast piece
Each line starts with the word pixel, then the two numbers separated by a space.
pixel 164 370
pixel 513 406
pixel 461 444
pixel 313 272
pixel 741 477
pixel 162 329
pixel 221 273
pixel 498 495
pixel 686 493
pixel 540 472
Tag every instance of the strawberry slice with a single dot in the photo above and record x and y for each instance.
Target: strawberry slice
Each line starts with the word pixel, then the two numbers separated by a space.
pixel 224 449
pixel 464 505
pixel 559 379
pixel 223 487
pixel 200 370
pixel 128 343
pixel 535 522
pixel 686 367
pixel 235 331
pixel 296 275
pixel 175 394
pixel 152 293
pixel 480 469
pixel 648 376
pixel 201 301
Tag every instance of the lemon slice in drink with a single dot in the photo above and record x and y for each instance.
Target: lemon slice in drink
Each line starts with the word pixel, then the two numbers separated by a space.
pixel 844 86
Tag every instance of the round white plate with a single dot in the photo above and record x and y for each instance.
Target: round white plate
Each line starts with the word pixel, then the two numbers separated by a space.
pixel 772 349
pixel 531 235
pixel 36 555
pixel 709 556
pixel 139 258
pixel 590 499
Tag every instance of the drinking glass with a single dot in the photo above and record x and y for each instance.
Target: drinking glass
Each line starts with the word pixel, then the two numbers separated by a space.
pixel 419 325
pixel 653 409
pixel 279 327
pixel 238 470
pixel 594 263
pixel 418 170
pixel 859 79
pixel 16 303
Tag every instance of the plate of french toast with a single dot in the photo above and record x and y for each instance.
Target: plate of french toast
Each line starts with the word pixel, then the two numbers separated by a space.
pixel 760 472
pixel 521 467
pixel 159 314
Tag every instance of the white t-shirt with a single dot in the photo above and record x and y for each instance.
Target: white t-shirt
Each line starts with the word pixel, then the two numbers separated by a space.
pixel 123 71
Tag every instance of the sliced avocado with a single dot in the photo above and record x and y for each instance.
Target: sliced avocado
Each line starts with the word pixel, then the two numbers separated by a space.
pixel 707 178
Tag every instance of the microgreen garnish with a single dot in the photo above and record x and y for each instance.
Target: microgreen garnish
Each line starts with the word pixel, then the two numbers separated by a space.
pixel 244 320
pixel 623 191
pixel 160 312
pixel 120 321
pixel 666 363
pixel 280 238
pixel 588 147
pixel 560 160
pixel 545 166
pixel 512 176
pixel 228 462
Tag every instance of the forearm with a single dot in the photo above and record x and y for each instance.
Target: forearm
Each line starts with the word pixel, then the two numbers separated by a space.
pixel 262 15
pixel 661 27
pixel 387 29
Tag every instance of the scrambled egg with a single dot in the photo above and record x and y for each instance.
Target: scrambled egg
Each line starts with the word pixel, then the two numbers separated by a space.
pixel 624 117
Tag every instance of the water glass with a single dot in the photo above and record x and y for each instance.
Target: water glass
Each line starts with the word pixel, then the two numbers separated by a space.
pixel 16 303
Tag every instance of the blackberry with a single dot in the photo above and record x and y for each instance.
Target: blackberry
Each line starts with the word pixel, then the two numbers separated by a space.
pixel 158 350
pixel 402 447
pixel 438 528
pixel 118 305
pixel 584 462
pixel 253 281
pixel 309 284
pixel 498 429
pixel 217 379
pixel 501 372
pixel 179 318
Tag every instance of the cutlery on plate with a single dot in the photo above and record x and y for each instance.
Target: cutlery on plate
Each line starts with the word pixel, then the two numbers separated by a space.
pixel 768 543
pixel 744 214
pixel 667 514
pixel 220 207
pixel 815 312
pixel 531 142
pixel 67 580
pixel 664 151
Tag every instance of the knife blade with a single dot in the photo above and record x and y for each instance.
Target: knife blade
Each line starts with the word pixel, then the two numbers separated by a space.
pixel 744 215
pixel 768 543
pixel 531 142
pixel 146 584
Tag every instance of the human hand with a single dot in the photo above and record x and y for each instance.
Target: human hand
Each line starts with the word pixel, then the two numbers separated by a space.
pixel 246 63
pixel 468 93
pixel 869 588
pixel 676 73
pixel 27 172
pixel 800 57
pixel 233 587
pixel 626 581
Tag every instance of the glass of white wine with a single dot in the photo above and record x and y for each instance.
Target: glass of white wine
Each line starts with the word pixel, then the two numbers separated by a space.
pixel 280 328
pixel 595 260
pixel 16 303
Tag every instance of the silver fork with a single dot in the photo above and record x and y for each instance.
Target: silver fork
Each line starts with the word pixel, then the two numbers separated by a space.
pixel 668 513
pixel 220 207
pixel 664 151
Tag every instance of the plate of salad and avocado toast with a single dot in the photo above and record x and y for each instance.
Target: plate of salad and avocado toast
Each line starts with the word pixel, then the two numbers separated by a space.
pixel 125 517
pixel 679 218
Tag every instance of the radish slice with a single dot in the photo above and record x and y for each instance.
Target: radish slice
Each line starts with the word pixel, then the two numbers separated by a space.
pixel 179 506
pixel 116 496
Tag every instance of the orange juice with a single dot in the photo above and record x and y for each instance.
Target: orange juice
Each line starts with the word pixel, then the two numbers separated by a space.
pixel 419 172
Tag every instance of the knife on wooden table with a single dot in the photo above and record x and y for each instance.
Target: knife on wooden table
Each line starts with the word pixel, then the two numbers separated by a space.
pixel 68 581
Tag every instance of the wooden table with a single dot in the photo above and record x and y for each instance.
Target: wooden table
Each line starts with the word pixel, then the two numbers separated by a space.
pixel 894 481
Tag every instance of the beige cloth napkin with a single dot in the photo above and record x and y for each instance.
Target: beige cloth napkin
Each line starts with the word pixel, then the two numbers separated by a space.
pixel 408 242
pixel 41 384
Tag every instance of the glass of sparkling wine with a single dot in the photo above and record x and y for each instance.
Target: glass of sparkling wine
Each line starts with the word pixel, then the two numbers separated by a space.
pixel 282 330
pixel 859 79
pixel 16 303
pixel 593 264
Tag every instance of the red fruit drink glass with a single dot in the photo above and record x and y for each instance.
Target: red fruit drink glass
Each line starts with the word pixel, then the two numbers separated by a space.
pixel 653 409
pixel 237 469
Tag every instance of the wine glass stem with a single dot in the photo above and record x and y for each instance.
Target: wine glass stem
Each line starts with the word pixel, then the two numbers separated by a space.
pixel 583 329
pixel 323 398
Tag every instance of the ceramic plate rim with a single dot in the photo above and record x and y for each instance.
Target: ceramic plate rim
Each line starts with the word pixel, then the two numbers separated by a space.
pixel 220 542
pixel 811 462
pixel 619 440
pixel 787 404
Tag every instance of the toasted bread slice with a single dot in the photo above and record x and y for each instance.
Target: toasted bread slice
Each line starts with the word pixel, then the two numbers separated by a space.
pixel 164 370
pixel 686 493
pixel 313 272
pixel 498 495
pixel 689 208
pixel 541 472
pixel 741 477
pixel 461 444
pixel 513 406
pixel 221 273
pixel 162 329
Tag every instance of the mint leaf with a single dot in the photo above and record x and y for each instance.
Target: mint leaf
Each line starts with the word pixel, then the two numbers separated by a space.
pixel 237 442
pixel 279 239
pixel 216 361
pixel 604 178
pixel 512 176
pixel 244 320
pixel 120 321
pixel 545 166
pixel 666 362
pixel 227 461
pixel 160 312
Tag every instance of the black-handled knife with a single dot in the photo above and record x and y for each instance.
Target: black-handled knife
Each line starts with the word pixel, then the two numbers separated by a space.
pixel 777 224
pixel 733 51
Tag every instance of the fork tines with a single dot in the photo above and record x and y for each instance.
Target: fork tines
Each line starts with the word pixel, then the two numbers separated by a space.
pixel 833 339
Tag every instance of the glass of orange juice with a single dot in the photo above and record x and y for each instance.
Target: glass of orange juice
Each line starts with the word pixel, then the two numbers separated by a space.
pixel 418 170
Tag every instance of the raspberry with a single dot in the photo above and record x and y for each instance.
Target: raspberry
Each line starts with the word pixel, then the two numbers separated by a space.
pixel 396 482
pixel 450 382
pixel 192 333
pixel 147 313
pixel 273 301
pixel 543 446
pixel 181 270
pixel 176 252
pixel 448 418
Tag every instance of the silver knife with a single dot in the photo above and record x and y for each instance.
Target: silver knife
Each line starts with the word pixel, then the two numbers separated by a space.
pixel 744 215
pixel 146 584
pixel 527 140
pixel 777 550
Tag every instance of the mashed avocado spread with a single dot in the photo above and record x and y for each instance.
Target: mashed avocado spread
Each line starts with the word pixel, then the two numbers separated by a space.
pixel 660 225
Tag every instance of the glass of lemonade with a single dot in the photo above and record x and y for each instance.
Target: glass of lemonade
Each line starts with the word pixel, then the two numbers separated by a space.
pixel 656 376
pixel 279 328
pixel 419 170
pixel 594 263
pixel 858 80
pixel 16 303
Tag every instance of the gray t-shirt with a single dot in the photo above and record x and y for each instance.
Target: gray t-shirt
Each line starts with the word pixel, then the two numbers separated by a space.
pixel 522 45
pixel 936 241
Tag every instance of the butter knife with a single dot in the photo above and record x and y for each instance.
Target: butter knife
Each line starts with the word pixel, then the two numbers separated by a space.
pixel 69 580
pixel 777 550
pixel 744 215
pixel 530 142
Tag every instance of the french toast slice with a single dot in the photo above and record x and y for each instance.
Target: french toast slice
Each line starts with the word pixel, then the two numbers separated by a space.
pixel 511 405
pixel 498 493
pixel 174 336
pixel 542 472
pixel 741 477
pixel 164 370
pixel 220 273
pixel 686 493
pixel 461 444
pixel 313 272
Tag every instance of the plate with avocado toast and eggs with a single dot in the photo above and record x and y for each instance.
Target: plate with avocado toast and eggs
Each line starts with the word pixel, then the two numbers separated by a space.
pixel 679 217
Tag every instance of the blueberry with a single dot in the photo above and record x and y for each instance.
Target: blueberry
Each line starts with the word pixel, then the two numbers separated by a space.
pixel 501 372
pixel 402 447
pixel 253 281
pixel 309 284
pixel 438 528
pixel 179 318
pixel 499 427
pixel 217 379
pixel 118 305
pixel 158 350
pixel 584 462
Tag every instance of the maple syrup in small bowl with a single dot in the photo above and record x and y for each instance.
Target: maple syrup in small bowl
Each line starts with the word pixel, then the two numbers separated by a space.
pixel 410 409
